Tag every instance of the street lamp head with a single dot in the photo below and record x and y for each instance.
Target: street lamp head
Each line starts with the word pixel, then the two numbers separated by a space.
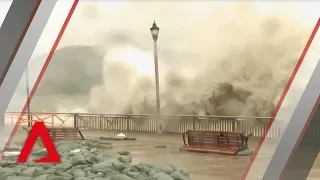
pixel 154 31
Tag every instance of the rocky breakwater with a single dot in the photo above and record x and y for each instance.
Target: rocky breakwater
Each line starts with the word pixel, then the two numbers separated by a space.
pixel 91 159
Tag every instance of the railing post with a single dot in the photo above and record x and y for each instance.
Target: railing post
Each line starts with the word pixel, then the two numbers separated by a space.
pixel 234 125
pixel 52 120
pixel 194 118
pixel 75 120
pixel 128 123
pixel 100 121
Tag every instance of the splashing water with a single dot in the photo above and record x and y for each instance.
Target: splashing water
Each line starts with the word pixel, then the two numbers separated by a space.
pixel 237 65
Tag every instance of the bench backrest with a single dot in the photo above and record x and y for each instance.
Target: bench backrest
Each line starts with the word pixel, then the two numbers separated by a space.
pixel 231 139
pixel 63 133
pixel 202 138
pixel 216 138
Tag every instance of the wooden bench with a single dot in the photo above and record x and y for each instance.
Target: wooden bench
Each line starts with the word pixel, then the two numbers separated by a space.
pixel 62 133
pixel 215 141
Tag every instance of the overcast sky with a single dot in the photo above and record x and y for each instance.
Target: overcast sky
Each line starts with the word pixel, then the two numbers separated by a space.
pixel 170 15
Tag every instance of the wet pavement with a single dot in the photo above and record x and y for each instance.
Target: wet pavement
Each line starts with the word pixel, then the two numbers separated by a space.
pixel 200 166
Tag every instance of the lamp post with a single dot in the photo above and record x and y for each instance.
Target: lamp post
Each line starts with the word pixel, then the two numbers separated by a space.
pixel 155 32
pixel 28 92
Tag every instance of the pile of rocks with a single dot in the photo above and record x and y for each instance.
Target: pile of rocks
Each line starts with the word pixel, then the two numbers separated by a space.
pixel 91 159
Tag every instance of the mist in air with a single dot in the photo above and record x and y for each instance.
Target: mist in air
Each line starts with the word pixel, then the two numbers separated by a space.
pixel 228 60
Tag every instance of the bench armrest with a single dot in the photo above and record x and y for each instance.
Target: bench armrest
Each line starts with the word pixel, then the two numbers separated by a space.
pixel 247 135
pixel 26 129
pixel 246 139
pixel 184 138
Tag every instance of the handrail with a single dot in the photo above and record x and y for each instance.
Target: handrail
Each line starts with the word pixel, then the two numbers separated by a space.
pixel 141 115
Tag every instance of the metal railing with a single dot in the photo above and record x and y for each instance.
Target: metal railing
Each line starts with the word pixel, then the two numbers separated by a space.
pixel 177 124
pixel 147 123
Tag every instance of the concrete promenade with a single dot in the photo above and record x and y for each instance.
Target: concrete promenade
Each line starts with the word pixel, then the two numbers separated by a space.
pixel 200 166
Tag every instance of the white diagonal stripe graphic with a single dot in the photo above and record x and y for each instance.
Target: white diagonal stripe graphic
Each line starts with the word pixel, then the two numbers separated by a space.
pixel 41 52
pixel 285 112
pixel 23 54
pixel 4 8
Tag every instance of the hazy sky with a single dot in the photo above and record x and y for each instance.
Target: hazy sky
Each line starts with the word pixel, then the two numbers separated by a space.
pixel 117 15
